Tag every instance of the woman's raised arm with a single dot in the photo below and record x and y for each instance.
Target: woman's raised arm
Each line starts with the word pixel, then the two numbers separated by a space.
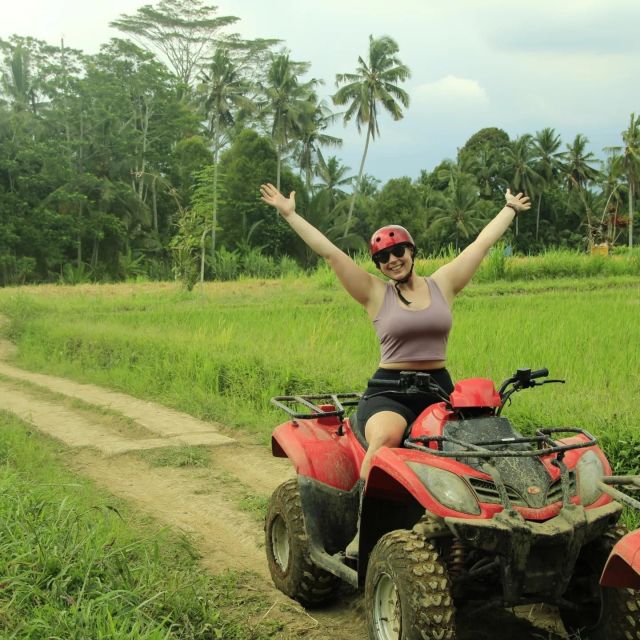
pixel 361 285
pixel 455 275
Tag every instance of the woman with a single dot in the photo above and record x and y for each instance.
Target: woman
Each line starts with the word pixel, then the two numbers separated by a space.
pixel 411 314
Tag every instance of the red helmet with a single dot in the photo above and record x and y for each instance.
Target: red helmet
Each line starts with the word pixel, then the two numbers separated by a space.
pixel 389 236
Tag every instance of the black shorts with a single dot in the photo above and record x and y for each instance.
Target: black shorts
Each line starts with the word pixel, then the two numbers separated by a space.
pixel 409 406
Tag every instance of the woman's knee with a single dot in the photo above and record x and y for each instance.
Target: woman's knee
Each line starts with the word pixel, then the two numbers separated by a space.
pixel 385 430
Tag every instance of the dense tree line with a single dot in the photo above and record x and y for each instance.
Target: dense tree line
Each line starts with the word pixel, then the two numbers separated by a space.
pixel 145 158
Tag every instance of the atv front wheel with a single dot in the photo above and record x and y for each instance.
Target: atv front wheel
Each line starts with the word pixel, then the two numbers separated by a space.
pixel 407 590
pixel 287 545
pixel 602 613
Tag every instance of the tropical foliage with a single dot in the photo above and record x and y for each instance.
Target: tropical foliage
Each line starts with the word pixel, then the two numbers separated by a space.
pixel 144 160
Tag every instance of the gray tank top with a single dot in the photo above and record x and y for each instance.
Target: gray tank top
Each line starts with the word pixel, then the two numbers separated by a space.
pixel 413 336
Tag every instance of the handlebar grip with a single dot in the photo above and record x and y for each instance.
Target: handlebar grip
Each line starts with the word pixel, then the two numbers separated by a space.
pixel 378 382
pixel 540 373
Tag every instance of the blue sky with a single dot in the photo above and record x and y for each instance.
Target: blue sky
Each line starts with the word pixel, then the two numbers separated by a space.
pixel 520 66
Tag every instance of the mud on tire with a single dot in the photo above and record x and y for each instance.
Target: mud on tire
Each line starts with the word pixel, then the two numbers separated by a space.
pixel 287 546
pixel 408 591
pixel 604 613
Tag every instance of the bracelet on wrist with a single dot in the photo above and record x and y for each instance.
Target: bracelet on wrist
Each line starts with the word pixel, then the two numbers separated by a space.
pixel 512 207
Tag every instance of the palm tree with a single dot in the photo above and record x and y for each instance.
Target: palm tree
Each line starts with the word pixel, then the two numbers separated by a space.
pixel 577 164
pixel 579 172
pixel 545 148
pixel 631 164
pixel 332 175
pixel 288 102
pixel 372 86
pixel 17 81
pixel 520 159
pixel 459 211
pixel 486 166
pixel 222 93
pixel 311 131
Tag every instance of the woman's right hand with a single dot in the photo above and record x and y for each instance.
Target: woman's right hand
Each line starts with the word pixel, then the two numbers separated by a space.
pixel 270 195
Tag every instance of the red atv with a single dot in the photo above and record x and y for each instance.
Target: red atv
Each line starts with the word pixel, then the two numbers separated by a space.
pixel 467 513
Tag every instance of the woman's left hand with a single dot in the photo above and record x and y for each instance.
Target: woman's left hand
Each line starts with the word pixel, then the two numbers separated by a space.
pixel 520 201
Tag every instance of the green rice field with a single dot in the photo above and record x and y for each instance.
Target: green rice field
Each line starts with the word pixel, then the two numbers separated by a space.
pixel 223 351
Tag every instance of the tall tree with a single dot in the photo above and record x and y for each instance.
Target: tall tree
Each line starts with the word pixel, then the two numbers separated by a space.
pixel 312 137
pixel 457 211
pixel 521 161
pixel 373 86
pixel 631 164
pixel 287 102
pixel 545 148
pixel 18 82
pixel 577 164
pixel 184 31
pixel 223 95
pixel 332 177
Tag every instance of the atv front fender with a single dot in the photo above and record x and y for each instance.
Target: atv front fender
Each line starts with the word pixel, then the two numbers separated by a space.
pixel 391 478
pixel 623 566
pixel 318 451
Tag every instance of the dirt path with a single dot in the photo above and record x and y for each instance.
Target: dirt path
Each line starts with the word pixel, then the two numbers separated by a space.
pixel 107 435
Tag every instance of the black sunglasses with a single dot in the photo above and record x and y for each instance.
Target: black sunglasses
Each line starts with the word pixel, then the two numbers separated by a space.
pixel 383 256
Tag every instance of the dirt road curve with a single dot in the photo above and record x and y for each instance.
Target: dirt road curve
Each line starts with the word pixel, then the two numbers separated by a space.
pixel 107 434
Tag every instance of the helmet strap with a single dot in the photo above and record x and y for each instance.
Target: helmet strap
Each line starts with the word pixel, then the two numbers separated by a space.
pixel 403 281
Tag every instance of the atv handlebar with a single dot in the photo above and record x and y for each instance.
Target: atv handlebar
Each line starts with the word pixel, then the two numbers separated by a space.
pixel 410 382
pixel 523 379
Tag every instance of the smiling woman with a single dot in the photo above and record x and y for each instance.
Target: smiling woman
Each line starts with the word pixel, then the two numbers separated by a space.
pixel 411 314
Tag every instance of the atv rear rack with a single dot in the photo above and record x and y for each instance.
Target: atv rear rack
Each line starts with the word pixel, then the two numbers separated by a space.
pixel 542 439
pixel 338 401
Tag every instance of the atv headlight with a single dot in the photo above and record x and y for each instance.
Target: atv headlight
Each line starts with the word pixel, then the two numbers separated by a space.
pixel 590 471
pixel 447 488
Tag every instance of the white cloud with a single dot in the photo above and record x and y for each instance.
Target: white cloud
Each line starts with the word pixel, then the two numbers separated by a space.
pixel 449 91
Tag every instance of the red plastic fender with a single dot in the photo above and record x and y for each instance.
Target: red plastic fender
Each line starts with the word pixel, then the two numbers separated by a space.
pixel 317 451
pixel 391 478
pixel 623 566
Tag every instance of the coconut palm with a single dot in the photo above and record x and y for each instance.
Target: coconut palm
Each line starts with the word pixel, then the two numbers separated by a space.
pixel 333 176
pixel 312 127
pixel 545 149
pixel 287 101
pixel 630 164
pixel 611 185
pixel 459 210
pixel 521 162
pixel 17 81
pixel 372 87
pixel 577 164
pixel 222 92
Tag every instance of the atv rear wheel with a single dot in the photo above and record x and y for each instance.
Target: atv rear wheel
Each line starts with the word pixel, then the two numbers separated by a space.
pixel 603 613
pixel 287 546
pixel 407 590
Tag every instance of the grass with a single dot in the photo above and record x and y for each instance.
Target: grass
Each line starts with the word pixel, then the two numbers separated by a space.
pixel 223 353
pixel 74 563
pixel 193 457
pixel 254 505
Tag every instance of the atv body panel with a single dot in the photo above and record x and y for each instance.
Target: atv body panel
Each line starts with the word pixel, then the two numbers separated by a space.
pixel 623 566
pixel 519 543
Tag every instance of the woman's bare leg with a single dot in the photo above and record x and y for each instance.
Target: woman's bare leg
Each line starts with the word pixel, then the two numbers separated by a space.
pixel 384 429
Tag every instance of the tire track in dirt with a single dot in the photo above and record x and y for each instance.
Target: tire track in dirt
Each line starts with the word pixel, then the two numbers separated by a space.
pixel 204 502
pixel 200 502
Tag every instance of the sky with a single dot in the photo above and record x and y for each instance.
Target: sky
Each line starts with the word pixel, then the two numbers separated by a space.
pixel 521 65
